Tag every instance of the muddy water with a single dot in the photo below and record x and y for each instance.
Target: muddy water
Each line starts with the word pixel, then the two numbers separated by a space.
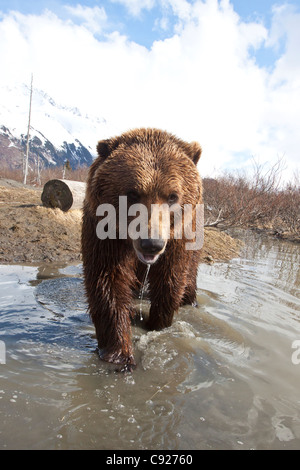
pixel 222 377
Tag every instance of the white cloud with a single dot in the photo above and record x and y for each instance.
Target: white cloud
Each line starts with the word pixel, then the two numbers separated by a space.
pixel 136 6
pixel 181 8
pixel 201 83
pixel 285 28
pixel 92 18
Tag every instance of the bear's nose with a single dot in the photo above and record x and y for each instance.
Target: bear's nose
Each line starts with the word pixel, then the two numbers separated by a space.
pixel 152 245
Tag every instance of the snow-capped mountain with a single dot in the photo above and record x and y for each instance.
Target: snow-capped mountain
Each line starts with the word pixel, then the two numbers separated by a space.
pixel 57 133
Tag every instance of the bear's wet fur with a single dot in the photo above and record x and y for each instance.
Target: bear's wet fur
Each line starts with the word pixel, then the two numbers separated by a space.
pixel 148 166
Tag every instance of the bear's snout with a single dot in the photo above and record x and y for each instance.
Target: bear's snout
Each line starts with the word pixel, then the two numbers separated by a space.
pixel 152 245
pixel 148 250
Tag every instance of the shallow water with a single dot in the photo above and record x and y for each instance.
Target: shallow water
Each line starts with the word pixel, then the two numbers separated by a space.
pixel 222 377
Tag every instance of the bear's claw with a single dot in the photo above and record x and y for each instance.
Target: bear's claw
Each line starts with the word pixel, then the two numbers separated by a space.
pixel 119 358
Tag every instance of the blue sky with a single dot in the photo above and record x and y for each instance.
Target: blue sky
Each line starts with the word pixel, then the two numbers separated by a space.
pixel 141 28
pixel 226 73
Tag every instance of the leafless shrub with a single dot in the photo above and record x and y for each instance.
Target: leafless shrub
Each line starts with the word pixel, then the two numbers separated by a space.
pixel 12 174
pixel 289 211
pixel 237 200
pixel 80 174
pixel 46 174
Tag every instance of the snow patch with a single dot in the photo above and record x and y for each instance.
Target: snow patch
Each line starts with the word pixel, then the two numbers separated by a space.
pixel 50 120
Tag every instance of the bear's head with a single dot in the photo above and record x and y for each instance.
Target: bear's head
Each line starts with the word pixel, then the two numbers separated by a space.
pixel 142 173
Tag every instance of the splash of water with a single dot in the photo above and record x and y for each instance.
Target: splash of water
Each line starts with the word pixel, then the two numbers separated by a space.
pixel 143 289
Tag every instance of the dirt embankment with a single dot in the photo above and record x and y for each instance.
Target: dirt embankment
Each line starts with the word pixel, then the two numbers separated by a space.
pixel 31 233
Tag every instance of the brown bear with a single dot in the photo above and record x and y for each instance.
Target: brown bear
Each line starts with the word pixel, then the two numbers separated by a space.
pixel 153 168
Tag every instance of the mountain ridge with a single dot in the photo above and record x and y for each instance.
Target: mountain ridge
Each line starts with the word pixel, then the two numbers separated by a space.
pixel 57 133
pixel 42 152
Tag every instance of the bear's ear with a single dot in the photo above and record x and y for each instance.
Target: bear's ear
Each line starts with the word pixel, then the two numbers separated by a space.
pixel 106 147
pixel 194 151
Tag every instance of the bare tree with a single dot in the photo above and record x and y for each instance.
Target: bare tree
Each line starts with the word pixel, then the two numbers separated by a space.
pixel 28 133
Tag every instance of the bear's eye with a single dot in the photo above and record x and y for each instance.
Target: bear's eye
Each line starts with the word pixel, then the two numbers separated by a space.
pixel 173 198
pixel 133 197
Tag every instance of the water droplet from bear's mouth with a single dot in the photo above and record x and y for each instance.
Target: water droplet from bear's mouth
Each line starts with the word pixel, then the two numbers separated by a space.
pixel 143 289
pixel 147 259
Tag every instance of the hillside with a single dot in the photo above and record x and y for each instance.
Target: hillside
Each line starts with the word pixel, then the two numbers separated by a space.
pixel 58 132
pixel 42 152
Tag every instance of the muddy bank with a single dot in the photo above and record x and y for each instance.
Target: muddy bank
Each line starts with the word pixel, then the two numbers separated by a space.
pixel 32 233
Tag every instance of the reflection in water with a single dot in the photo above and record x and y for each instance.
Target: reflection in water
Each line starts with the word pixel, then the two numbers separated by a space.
pixel 220 377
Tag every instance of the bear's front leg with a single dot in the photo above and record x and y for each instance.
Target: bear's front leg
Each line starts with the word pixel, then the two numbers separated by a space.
pixel 111 310
pixel 167 287
pixel 118 348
